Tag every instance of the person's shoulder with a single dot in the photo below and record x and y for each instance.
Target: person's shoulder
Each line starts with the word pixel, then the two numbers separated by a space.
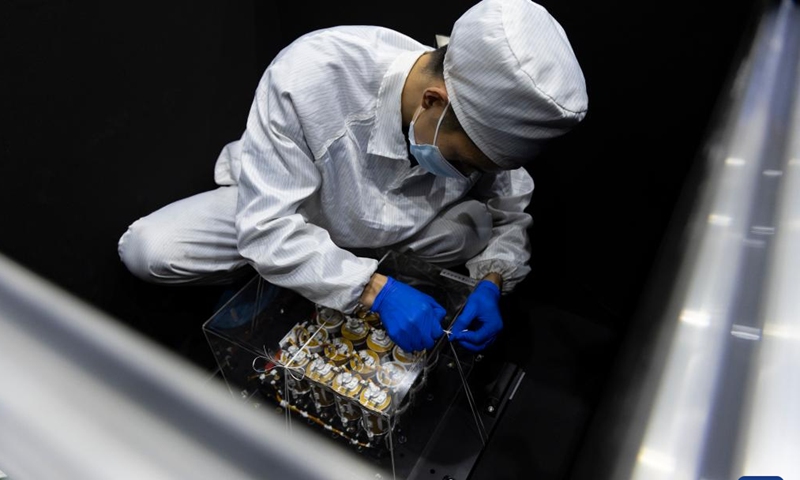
pixel 370 37
pixel 353 51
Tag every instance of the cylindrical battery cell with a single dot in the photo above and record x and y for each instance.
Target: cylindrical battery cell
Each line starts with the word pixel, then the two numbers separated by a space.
pixel 348 386
pixel 330 319
pixel 372 318
pixel 355 330
pixel 379 342
pixel 415 363
pixel 364 363
pixel 311 338
pixel 320 373
pixel 375 402
pixel 338 351
pixel 395 378
pixel 407 358
pixel 295 360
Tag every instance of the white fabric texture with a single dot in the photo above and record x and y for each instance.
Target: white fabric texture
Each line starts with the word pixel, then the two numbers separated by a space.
pixel 322 169
pixel 193 240
pixel 189 241
pixel 513 79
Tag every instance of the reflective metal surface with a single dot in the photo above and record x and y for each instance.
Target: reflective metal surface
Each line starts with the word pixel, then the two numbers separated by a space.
pixel 708 385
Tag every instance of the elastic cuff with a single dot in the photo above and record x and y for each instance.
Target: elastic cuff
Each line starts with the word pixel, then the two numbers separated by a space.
pixel 478 270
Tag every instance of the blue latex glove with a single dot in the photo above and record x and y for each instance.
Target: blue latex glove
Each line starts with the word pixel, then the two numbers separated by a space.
pixel 482 311
pixel 411 318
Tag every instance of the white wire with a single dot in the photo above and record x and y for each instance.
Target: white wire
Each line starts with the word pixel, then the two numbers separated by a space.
pixel 470 398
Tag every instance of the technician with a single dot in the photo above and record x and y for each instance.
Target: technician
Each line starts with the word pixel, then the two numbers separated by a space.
pixel 360 138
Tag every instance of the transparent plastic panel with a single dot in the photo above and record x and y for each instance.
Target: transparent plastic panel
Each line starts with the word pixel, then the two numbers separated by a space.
pixel 338 370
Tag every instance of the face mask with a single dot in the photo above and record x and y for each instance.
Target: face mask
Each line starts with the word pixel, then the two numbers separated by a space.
pixel 429 156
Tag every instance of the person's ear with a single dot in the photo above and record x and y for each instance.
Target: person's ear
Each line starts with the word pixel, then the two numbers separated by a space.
pixel 434 96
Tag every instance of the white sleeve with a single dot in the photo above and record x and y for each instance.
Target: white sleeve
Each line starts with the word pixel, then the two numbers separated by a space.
pixel 507 195
pixel 277 175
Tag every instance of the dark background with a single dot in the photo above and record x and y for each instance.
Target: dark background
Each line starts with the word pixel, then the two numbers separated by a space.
pixel 111 110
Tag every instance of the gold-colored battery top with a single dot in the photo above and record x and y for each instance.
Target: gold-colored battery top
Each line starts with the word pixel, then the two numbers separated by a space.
pixel 391 374
pixel 339 350
pixel 407 358
pixel 311 338
pixel 375 398
pixel 328 317
pixel 320 371
pixel 372 318
pixel 347 384
pixel 364 362
pixel 355 330
pixel 293 357
pixel 378 341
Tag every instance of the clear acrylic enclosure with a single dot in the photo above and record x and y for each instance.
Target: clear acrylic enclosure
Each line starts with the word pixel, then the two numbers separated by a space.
pixel 341 372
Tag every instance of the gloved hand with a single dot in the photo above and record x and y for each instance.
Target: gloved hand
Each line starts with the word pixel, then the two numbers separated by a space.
pixel 411 318
pixel 483 311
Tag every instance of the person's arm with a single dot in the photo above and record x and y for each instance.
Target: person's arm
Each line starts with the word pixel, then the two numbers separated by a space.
pixel 374 286
pixel 502 264
pixel 277 176
pixel 495 278
pixel 507 196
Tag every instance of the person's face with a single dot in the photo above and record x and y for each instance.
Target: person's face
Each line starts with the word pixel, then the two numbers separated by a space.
pixel 455 145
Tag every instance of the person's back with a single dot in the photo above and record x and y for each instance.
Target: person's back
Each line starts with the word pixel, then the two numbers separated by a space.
pixel 331 77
